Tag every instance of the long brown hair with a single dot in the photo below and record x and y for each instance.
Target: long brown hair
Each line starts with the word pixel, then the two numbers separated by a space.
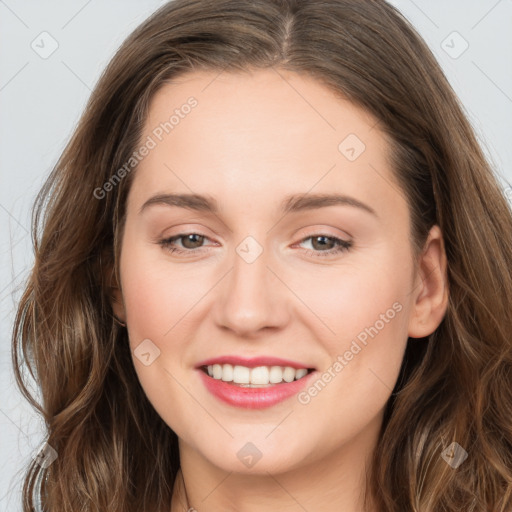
pixel 114 452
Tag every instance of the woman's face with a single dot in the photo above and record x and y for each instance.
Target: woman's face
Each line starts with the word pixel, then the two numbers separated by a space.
pixel 298 254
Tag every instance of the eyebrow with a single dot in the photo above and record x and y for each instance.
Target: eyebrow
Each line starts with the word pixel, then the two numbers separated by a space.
pixel 291 204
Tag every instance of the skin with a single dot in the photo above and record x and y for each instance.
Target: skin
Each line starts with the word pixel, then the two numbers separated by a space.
pixel 254 138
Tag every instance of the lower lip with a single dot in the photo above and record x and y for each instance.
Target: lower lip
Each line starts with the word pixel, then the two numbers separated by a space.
pixel 253 398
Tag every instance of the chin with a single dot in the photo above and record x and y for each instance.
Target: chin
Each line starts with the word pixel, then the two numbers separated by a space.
pixel 255 455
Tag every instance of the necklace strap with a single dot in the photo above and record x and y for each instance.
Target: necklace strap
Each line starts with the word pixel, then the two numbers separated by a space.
pixel 185 490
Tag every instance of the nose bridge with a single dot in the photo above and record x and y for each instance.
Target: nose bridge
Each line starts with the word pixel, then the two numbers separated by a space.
pixel 250 299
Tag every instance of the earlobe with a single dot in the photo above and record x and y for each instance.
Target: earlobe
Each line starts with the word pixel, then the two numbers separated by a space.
pixel 431 290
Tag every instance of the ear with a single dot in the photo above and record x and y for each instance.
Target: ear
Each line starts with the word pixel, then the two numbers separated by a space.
pixel 430 288
pixel 115 294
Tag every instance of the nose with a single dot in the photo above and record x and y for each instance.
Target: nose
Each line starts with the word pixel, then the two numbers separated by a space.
pixel 251 298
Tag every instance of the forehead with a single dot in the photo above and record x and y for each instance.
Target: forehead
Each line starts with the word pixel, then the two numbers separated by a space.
pixel 259 133
pixel 254 106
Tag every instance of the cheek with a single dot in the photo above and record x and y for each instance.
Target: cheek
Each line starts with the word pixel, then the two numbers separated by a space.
pixel 362 366
pixel 156 294
pixel 361 317
pixel 348 299
pixel 156 303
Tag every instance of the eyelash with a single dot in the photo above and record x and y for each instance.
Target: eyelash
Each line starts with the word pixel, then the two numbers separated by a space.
pixel 342 245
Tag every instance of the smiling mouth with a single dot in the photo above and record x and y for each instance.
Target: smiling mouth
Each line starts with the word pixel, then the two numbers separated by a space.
pixel 257 377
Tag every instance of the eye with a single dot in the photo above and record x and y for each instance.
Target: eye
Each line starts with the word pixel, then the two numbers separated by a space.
pixel 192 242
pixel 321 241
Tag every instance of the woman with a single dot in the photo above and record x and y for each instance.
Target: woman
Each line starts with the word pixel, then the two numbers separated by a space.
pixel 339 337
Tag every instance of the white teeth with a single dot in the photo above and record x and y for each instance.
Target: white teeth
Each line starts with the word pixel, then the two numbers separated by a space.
pixel 241 375
pixel 289 374
pixel 258 376
pixel 276 374
pixel 217 371
pixel 300 373
pixel 227 373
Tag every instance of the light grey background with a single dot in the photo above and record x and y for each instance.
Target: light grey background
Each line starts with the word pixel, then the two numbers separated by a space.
pixel 41 100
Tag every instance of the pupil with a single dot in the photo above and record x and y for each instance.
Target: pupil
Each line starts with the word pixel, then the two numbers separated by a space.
pixel 189 238
pixel 319 238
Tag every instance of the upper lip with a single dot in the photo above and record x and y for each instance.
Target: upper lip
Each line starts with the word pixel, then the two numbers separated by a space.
pixel 252 362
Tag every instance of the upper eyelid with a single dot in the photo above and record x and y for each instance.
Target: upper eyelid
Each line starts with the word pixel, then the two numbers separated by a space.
pixel 346 236
pixel 301 239
pixel 183 235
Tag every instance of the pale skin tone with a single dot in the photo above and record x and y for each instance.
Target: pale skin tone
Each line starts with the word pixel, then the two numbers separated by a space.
pixel 252 140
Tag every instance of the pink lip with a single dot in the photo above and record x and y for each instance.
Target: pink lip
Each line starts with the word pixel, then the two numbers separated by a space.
pixel 252 362
pixel 252 398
